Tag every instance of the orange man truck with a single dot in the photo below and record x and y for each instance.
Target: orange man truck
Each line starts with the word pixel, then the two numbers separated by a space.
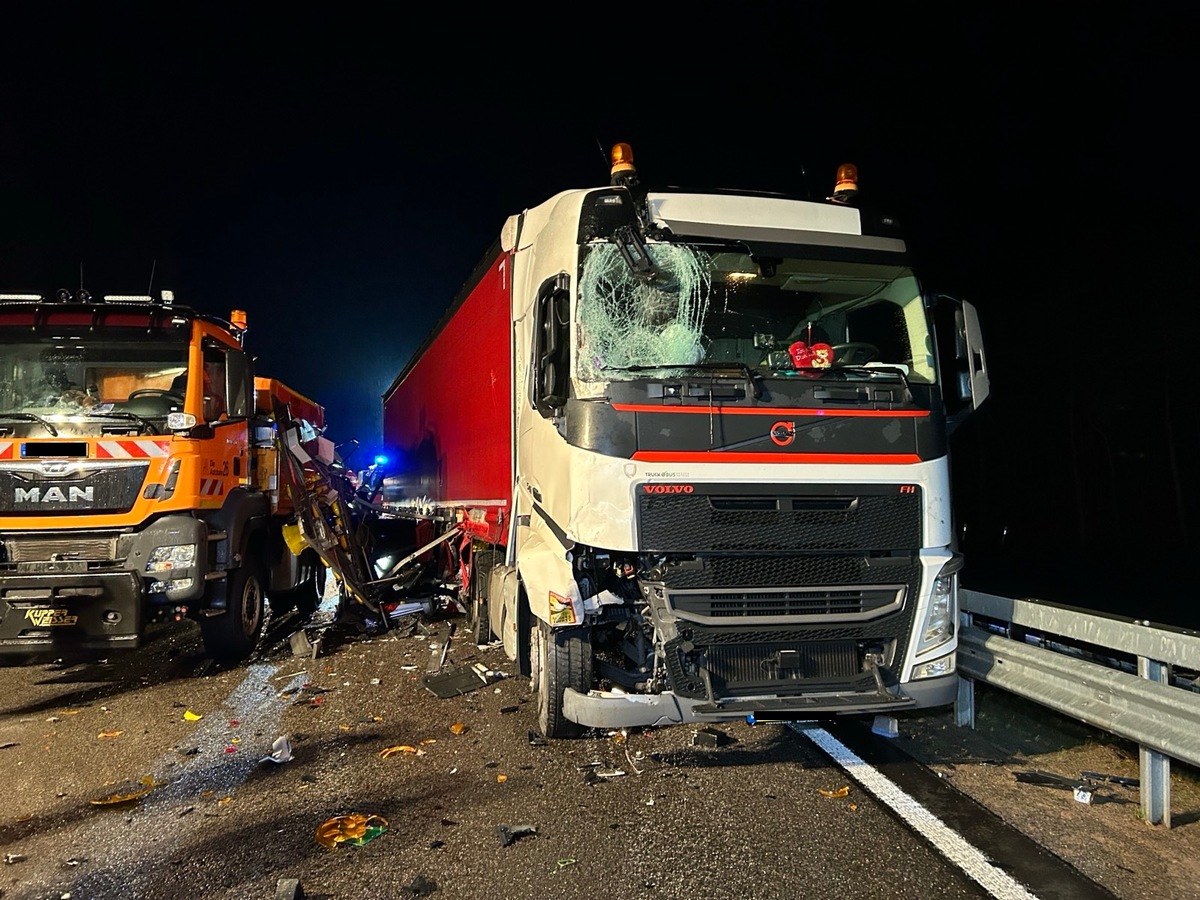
pixel 142 477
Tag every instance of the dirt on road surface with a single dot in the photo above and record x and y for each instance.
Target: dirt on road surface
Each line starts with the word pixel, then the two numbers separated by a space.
pixel 352 740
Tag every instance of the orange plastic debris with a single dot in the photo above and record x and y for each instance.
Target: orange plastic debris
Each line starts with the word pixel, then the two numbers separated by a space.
pixel 110 734
pixel 843 791
pixel 458 728
pixel 354 828
pixel 400 748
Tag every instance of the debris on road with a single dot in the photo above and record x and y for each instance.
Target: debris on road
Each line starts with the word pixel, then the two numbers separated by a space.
pixel 1112 779
pixel 289 889
pixel 126 793
pixel 843 791
pixel 281 751
pixel 455 682
pixel 354 828
pixel 710 737
pixel 510 833
pixel 401 748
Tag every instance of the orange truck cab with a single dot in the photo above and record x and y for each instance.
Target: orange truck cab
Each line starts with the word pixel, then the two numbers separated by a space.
pixel 140 477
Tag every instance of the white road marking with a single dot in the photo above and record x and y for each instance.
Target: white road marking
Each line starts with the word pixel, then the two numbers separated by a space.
pixel 974 863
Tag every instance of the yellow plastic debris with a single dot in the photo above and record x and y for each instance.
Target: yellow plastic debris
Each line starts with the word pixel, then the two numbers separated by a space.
pixel 110 734
pixel 400 748
pixel 843 791
pixel 193 717
pixel 125 794
pixel 354 828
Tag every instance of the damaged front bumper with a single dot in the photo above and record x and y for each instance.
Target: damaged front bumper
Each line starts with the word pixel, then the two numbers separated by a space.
pixel 611 709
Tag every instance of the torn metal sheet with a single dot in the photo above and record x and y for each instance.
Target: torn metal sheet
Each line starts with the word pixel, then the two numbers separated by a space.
pixel 455 682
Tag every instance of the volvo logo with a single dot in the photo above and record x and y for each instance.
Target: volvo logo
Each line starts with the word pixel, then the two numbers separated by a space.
pixel 73 494
pixel 668 488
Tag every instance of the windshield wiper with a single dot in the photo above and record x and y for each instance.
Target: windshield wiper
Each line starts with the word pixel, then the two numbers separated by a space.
pixel 146 424
pixel 30 417
pixel 876 370
pixel 752 375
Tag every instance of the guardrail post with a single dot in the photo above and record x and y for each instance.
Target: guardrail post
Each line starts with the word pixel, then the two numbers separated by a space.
pixel 1155 766
pixel 964 703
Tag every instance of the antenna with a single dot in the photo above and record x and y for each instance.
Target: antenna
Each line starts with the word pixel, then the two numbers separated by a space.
pixel 150 286
pixel 81 274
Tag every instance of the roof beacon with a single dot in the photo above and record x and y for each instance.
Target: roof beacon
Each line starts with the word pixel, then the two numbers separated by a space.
pixel 623 172
pixel 846 188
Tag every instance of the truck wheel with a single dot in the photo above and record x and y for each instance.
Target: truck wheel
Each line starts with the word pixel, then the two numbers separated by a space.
pixel 560 658
pixel 305 597
pixel 233 635
pixel 482 563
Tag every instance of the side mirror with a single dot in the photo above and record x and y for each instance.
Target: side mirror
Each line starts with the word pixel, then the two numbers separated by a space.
pixel 961 358
pixel 551 339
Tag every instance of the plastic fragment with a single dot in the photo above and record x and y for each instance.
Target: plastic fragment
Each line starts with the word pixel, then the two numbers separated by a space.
pixel 458 728
pixel 10 858
pixel 281 751
pixel 355 828
pixel 843 791
pixel 509 833
pixel 190 716
pixel 110 734
pixel 400 748
pixel 501 778
pixel 126 795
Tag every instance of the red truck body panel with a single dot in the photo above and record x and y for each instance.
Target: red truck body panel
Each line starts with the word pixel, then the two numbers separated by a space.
pixel 448 416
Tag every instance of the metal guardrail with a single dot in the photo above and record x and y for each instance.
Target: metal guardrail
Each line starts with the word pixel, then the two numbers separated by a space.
pixel 1118 675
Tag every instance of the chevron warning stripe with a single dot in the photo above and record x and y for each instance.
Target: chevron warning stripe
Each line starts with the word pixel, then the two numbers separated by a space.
pixel 131 449
pixel 8 449
pixel 211 487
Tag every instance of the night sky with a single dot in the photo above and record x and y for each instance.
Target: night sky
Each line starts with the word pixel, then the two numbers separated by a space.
pixel 338 173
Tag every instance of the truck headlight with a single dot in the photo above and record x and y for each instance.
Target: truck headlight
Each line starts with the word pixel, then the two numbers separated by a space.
pixel 164 559
pixel 935 668
pixel 940 614
pixel 179 584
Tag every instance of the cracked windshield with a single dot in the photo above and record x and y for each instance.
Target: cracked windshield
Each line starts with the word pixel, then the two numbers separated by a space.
pixel 56 384
pixel 702 308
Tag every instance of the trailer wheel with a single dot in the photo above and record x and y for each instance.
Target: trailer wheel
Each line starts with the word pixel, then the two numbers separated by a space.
pixel 559 658
pixel 233 635
pixel 482 563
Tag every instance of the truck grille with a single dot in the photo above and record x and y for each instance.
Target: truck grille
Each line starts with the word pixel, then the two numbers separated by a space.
pixel 748 518
pixel 35 549
pixel 783 593
pixel 838 603
pixel 109 488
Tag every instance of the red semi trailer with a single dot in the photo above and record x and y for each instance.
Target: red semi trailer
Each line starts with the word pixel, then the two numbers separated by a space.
pixel 697 443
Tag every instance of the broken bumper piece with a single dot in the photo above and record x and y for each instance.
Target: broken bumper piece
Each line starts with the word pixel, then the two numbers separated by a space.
pixel 608 709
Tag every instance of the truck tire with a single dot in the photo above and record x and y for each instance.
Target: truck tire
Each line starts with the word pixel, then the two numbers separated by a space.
pixel 478 626
pixel 560 658
pixel 305 597
pixel 233 635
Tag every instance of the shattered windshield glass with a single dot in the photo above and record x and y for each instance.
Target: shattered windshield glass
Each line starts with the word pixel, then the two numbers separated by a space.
pixel 59 380
pixel 705 306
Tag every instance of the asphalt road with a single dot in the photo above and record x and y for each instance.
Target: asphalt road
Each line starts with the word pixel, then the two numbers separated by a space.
pixel 657 814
